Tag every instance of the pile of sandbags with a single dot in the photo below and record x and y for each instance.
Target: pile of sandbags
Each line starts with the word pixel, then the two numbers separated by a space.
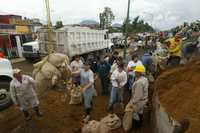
pixel 112 121
pixel 95 127
pixel 76 95
pixel 50 70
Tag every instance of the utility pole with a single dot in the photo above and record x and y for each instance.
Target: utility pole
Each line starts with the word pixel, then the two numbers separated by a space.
pixel 126 29
pixel 50 46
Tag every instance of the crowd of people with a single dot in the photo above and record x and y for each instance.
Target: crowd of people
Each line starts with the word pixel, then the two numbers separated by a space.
pixel 115 77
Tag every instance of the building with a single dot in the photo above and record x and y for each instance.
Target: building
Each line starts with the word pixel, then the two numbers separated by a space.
pixel 14 31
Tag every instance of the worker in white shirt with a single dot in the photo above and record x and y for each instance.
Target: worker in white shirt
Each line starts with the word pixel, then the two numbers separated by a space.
pixel 23 93
pixel 76 66
pixel 118 79
pixel 139 94
pixel 130 68
pixel 87 85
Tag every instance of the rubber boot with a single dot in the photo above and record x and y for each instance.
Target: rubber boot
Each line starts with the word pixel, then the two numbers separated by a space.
pixel 37 111
pixel 27 115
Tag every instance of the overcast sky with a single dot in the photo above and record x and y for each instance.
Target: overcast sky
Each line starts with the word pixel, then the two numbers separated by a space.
pixel 162 14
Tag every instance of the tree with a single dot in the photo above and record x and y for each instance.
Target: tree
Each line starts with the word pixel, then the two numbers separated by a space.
pixel 59 24
pixel 106 18
pixel 137 25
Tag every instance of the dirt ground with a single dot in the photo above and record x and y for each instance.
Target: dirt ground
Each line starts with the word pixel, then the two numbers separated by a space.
pixel 59 116
pixel 179 92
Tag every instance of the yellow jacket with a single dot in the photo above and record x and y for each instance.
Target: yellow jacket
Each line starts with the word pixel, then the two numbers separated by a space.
pixel 175 47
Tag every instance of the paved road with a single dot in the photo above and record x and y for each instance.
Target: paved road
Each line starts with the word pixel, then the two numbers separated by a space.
pixel 25 66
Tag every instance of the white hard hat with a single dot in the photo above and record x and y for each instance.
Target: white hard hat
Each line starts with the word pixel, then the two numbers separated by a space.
pixel 16 71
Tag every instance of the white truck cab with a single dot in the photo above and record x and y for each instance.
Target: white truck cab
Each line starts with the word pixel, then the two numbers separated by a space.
pixel 6 75
pixel 31 50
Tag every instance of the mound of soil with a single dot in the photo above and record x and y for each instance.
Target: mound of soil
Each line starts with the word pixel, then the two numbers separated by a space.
pixel 179 92
pixel 59 116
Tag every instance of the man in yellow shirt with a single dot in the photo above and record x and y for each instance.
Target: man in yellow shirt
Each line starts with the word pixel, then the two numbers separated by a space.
pixel 174 47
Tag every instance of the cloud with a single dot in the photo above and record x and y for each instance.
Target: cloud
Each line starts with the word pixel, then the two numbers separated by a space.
pixel 162 14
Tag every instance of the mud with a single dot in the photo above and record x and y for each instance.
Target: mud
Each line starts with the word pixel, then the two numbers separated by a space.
pixel 179 92
pixel 59 116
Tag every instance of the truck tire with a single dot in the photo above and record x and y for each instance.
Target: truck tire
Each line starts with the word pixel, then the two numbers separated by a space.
pixel 5 99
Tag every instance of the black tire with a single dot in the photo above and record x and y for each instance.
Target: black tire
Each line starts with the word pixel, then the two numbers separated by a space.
pixel 5 100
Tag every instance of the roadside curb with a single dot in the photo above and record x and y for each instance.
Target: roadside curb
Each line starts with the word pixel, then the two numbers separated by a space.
pixel 18 60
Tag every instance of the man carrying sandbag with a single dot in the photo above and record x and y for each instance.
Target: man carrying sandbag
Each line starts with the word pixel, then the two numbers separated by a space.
pixel 138 100
pixel 23 93
pixel 87 85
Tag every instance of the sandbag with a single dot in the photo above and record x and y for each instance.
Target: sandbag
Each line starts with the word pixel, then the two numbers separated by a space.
pixel 41 83
pixel 57 59
pixel 95 127
pixel 66 72
pixel 48 70
pixel 76 96
pixel 127 120
pixel 128 117
pixel 112 121
pixel 41 63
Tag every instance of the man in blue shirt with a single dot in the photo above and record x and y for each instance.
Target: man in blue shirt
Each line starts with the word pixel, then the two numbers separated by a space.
pixel 103 72
pixel 147 61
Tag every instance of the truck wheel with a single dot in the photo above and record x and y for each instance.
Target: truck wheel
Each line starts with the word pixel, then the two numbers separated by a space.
pixel 5 99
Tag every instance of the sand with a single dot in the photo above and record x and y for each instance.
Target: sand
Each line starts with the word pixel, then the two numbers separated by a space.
pixel 179 92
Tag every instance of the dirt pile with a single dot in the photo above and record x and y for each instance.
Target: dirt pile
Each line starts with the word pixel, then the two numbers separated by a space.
pixel 179 92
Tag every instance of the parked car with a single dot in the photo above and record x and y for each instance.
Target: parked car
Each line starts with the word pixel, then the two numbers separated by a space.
pixel 6 75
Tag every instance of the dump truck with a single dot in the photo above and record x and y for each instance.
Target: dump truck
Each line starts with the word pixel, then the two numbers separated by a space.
pixel 75 40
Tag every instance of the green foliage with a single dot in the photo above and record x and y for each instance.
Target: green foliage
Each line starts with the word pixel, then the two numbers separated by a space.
pixel 59 24
pixel 114 30
pixel 136 26
pixel 106 18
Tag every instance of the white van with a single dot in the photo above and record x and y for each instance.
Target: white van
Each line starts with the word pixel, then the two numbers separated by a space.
pixel 31 50
pixel 6 75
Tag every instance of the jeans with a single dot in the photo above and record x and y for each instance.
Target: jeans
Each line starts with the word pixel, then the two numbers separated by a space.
pixel 105 85
pixel 116 96
pixel 130 82
pixel 77 80
pixel 88 96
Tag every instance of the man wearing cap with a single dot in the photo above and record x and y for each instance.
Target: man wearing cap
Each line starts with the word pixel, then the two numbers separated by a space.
pixel 87 84
pixel 139 94
pixel 23 93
